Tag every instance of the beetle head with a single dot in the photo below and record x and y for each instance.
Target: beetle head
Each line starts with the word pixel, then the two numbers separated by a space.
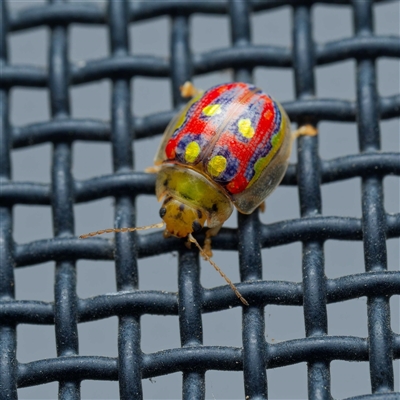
pixel 181 219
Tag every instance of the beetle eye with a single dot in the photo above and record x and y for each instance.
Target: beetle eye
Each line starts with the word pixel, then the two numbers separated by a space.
pixel 163 211
pixel 196 226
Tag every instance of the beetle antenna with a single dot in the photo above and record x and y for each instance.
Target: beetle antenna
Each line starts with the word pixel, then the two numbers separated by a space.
pixel 218 269
pixel 118 230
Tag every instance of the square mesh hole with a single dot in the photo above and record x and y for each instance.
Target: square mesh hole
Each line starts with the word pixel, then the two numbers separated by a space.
pixel 100 390
pixel 147 211
pixel 395 314
pixel 391 186
pixel 28 47
pixel 144 152
pixel 278 378
pixel 337 139
pixel 388 76
pixel 283 323
pixel 23 5
pixel 35 282
pixel 41 392
pixel 204 82
pixel 281 205
pixel 159 273
pixel 95 278
pixel 88 42
pixel 343 258
pixel 348 318
pixel 98 3
pixel 224 385
pixel 163 387
pixel 223 328
pixel 32 223
pixel 35 342
pixel 32 164
pixel 271 27
pixel 282 263
pixel 390 140
pixel 152 326
pixel 349 379
pixel 91 160
pixel 331 22
pixel 336 81
pixel 93 216
pixel 216 36
pixel 393 251
pixel 387 18
pixel 28 106
pixel 278 83
pixel 154 31
pixel 99 338
pixel 150 96
pixel 342 198
pixel 92 101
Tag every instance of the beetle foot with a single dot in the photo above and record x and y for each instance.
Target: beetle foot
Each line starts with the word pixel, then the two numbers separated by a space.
pixel 189 90
pixel 207 247
pixel 305 130
pixel 155 169
pixel 167 234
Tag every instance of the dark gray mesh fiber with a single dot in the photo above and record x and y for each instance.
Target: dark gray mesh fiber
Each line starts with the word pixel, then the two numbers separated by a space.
pixel 257 355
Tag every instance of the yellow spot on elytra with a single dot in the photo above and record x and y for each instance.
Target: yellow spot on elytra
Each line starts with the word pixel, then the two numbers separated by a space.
pixel 217 165
pixel 245 128
pixel 212 109
pixel 192 151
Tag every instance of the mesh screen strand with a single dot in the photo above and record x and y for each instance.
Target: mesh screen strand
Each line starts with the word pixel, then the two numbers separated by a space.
pixel 256 356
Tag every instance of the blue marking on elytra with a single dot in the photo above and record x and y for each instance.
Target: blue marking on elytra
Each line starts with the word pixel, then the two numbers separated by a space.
pixel 232 165
pixel 185 140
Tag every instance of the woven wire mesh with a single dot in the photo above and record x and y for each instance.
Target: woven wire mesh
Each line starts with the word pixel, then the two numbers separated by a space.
pixel 257 356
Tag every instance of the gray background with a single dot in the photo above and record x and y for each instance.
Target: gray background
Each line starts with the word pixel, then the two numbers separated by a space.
pixel 160 273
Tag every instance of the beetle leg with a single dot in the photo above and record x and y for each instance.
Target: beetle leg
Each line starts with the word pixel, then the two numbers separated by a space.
pixel 305 130
pixel 207 241
pixel 262 207
pixel 167 234
pixel 155 169
pixel 189 90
